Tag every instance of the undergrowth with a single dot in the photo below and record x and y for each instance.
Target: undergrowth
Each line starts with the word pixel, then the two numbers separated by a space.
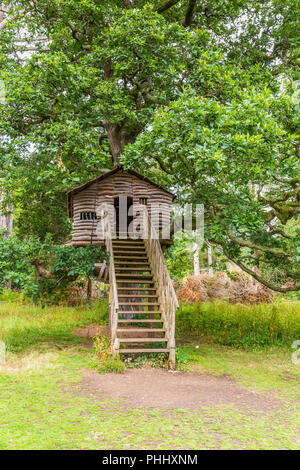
pixel 242 326
pixel 106 363
pixel 151 360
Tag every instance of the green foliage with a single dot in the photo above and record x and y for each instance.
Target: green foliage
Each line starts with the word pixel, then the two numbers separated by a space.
pixel 179 260
pixel 106 363
pixel 150 360
pixel 240 325
pixel 238 159
pixel 112 365
pixel 8 295
pixel 102 347
pixel 182 358
pixel 64 263
pixel 14 266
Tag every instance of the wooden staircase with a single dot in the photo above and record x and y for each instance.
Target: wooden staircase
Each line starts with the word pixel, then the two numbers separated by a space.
pixel 142 300
pixel 140 322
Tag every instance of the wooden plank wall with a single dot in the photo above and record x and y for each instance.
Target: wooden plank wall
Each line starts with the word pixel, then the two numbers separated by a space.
pixel 159 204
pixel 83 229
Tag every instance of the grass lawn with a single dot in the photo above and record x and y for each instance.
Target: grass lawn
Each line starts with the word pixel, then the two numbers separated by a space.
pixel 43 405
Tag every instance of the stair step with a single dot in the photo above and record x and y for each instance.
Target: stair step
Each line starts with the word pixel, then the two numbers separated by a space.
pixel 127 243
pixel 134 276
pixel 136 281
pixel 143 340
pixel 133 266
pixel 130 247
pixel 129 253
pixel 128 236
pixel 129 250
pixel 127 239
pixel 139 321
pixel 133 272
pixel 146 350
pixel 131 269
pixel 136 288
pixel 142 296
pixel 134 263
pixel 138 312
pixel 137 304
pixel 131 256
pixel 144 330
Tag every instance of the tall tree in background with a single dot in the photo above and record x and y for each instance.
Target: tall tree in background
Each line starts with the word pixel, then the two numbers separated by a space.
pixel 6 217
pixel 178 89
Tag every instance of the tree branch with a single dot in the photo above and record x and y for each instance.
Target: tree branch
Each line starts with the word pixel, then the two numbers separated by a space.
pixel 189 13
pixel 128 4
pixel 275 230
pixel 162 165
pixel 40 270
pixel 165 5
pixel 254 246
pixel 294 287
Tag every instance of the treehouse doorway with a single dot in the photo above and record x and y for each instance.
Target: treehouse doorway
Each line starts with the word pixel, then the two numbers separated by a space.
pixel 124 216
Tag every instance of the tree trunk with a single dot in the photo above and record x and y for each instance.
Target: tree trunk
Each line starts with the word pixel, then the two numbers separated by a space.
pixel 6 221
pixel 114 138
pixel 256 269
pixel 209 258
pixel 3 14
pixel 196 260
pixel 40 270
pixel 89 289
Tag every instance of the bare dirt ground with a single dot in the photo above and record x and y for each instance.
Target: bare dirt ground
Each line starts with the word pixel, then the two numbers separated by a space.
pixel 177 390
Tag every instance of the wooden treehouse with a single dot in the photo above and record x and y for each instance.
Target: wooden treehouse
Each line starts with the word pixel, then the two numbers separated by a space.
pixel 125 212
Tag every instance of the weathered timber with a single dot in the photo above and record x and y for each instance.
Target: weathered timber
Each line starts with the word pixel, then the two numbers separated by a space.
pixel 93 195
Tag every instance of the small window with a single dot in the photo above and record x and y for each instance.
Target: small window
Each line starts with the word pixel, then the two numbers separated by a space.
pixel 143 200
pixel 88 216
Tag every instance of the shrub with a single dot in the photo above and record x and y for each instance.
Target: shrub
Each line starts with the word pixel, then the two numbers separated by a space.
pixel 236 287
pixel 14 268
pixel 112 365
pixel 8 295
pixel 107 363
pixel 151 360
pixel 61 265
pixel 241 325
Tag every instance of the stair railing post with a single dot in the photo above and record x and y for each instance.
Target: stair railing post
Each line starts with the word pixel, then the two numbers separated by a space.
pixel 113 292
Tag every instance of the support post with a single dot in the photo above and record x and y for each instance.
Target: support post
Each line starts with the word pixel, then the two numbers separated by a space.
pixel 89 289
pixel 115 348
pixel 109 322
pixel 172 354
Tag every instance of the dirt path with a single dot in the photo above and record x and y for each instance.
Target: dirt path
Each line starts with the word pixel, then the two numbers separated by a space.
pixel 163 389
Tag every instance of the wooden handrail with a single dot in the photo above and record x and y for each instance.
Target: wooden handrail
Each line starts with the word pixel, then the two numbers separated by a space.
pixel 166 292
pixel 113 292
